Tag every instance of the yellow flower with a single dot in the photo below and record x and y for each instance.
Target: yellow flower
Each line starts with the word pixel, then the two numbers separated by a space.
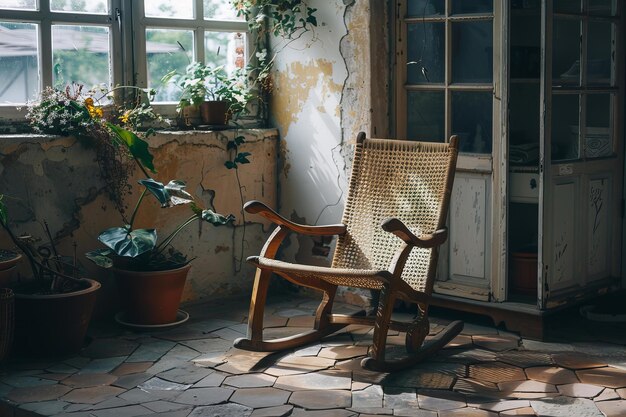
pixel 93 110
pixel 124 117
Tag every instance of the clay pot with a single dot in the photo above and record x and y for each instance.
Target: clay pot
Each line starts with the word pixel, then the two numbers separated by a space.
pixel 151 297
pixel 53 324
pixel 214 112
pixel 8 266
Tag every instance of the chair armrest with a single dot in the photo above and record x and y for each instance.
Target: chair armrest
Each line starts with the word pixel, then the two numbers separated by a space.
pixel 256 207
pixel 399 229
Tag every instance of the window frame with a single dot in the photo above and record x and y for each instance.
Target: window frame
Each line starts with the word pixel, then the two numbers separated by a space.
pixel 127 25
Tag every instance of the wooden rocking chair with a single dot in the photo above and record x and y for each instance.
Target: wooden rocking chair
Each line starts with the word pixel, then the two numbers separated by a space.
pixel 393 223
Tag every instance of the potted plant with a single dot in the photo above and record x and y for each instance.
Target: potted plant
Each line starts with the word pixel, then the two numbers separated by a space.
pixel 210 92
pixel 150 274
pixel 8 264
pixel 53 309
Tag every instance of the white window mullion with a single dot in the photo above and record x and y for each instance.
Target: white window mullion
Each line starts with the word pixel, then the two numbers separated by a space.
pixel 45 45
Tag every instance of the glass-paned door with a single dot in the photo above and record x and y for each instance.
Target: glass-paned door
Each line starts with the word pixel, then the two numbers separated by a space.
pixel 446 85
pixel 582 93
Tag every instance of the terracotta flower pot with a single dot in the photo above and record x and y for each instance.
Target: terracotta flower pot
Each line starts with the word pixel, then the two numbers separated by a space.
pixel 214 112
pixel 8 266
pixel 52 324
pixel 151 297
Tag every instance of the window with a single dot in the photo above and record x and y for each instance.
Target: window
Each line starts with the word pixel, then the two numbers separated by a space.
pixel 111 42
pixel 444 53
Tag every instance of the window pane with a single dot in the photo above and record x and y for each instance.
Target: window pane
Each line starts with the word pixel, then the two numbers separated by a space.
pixel 420 8
pixel 426 53
pixel 472 6
pixel 602 7
pixel 566 57
pixel 80 6
pixel 567 6
pixel 565 127
pixel 178 9
pixel 599 52
pixel 598 130
pixel 472 52
pixel 19 68
pixel 425 115
pixel 220 9
pixel 164 54
pixel 81 54
pixel 18 4
pixel 224 48
pixel 472 119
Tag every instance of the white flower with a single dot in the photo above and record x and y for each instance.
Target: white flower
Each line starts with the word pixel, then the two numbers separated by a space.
pixel 261 55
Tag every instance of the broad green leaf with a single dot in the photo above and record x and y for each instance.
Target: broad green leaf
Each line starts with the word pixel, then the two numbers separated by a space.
pixel 239 140
pixel 137 146
pixel 216 219
pixel 230 164
pixel 231 145
pixel 100 258
pixel 129 244
pixel 242 158
pixel 178 195
pixel 168 195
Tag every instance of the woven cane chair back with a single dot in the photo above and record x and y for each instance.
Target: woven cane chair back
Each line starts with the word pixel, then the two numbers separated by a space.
pixel 390 178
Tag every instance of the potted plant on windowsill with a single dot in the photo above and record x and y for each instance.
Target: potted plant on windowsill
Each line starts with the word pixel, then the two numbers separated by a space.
pixel 54 307
pixel 209 94
pixel 150 274
pixel 9 260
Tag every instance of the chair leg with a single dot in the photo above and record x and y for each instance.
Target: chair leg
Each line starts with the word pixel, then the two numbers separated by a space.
pixel 322 326
pixel 428 348
pixel 381 325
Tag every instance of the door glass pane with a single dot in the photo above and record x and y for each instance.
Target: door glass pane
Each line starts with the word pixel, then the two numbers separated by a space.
pixel 178 9
pixel 472 6
pixel 164 54
pixel 472 52
pixel 524 123
pixel 19 67
pixel 18 4
pixel 472 119
pixel 565 135
pixel 566 54
pixel 425 115
pixel 598 132
pixel 567 6
pixel 423 8
pixel 81 54
pixel 426 53
pixel 79 6
pixel 602 7
pixel 220 9
pixel 599 52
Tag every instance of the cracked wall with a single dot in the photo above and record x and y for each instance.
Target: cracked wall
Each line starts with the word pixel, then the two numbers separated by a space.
pixel 321 100
pixel 57 180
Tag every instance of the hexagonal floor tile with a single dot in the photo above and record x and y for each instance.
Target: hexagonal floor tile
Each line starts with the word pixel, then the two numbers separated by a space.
pixel 575 361
pixel 496 343
pixel 608 377
pixel 496 372
pixel 322 399
pixel 317 380
pixel 580 390
pixel 552 375
pixel 260 397
pixel 255 380
pixel 440 400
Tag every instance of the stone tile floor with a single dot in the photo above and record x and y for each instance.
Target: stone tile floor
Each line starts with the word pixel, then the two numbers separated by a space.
pixel 193 371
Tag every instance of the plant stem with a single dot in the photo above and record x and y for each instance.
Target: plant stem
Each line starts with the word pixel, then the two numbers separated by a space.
pixel 161 246
pixel 136 209
pixel 243 219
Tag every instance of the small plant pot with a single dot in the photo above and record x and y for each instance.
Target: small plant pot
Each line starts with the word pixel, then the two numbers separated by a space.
pixel 151 297
pixel 53 324
pixel 188 117
pixel 214 112
pixel 8 266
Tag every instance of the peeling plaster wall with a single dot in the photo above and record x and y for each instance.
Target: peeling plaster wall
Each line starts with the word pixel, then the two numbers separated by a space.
pixel 57 180
pixel 320 102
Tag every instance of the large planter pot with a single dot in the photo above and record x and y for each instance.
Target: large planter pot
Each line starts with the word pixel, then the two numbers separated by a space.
pixel 53 324
pixel 151 297
pixel 214 112
pixel 8 265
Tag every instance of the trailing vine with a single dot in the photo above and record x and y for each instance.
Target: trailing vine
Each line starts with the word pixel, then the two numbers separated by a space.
pixel 237 158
